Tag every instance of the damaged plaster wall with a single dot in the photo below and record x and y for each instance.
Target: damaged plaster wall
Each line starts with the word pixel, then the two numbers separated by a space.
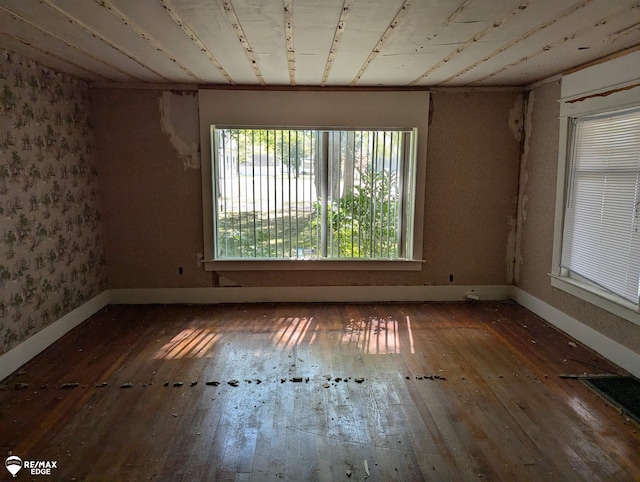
pixel 472 186
pixel 536 221
pixel 150 187
pixel 521 214
pixel 153 196
pixel 179 123
pixel 517 125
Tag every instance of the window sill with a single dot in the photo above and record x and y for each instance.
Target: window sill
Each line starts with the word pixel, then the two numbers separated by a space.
pixel 606 301
pixel 313 265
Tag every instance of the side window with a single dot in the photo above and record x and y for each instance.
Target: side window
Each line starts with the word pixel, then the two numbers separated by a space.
pixel 601 233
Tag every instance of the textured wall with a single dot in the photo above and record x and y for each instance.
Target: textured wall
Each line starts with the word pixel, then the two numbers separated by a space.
pixel 472 185
pixel 151 192
pixel 150 188
pixel 535 241
pixel 51 254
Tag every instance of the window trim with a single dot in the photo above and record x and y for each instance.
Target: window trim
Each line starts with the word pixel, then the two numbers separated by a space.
pixel 374 109
pixel 571 108
pixel 405 240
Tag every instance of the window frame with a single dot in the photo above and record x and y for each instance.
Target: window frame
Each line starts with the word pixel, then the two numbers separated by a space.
pixel 574 107
pixel 328 110
pixel 407 187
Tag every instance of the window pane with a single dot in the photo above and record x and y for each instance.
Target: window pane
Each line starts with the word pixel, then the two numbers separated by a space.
pixel 306 194
pixel 601 240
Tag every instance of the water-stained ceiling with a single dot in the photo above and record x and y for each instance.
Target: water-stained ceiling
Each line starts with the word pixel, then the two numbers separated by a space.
pixel 391 43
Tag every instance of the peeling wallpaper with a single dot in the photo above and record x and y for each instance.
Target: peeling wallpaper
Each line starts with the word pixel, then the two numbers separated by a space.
pixel 51 254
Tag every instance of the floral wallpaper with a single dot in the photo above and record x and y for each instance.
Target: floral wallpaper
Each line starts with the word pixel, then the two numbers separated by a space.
pixel 51 254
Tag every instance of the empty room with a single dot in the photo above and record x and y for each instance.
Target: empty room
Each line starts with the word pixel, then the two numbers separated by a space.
pixel 320 240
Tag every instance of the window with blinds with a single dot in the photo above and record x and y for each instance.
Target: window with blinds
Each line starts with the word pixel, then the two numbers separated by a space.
pixel 601 238
pixel 313 194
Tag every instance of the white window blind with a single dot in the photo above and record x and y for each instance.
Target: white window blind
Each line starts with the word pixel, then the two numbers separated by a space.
pixel 601 238
pixel 313 194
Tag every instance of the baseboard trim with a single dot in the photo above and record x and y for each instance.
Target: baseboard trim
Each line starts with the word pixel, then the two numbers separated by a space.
pixel 307 294
pixel 29 348
pixel 608 348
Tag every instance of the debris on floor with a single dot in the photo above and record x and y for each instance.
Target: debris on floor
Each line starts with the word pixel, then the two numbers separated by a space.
pixel 126 385
pixel 68 386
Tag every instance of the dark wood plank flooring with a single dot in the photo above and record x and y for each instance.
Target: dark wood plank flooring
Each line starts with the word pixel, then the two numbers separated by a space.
pixel 451 391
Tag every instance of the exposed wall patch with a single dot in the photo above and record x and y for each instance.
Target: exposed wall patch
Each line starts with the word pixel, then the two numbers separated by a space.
pixel 522 184
pixel 511 247
pixel 516 120
pixel 178 121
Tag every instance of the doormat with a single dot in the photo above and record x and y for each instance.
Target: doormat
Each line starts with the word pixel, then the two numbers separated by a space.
pixel 622 392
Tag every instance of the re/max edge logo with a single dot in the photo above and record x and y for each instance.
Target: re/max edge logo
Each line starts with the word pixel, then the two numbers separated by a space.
pixel 15 464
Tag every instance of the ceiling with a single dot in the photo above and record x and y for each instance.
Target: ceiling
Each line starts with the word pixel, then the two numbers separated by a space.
pixel 395 43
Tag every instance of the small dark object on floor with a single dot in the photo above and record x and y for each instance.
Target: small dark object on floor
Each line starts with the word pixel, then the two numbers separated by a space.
pixel 359 380
pixel 178 384
pixel 193 384
pixel 126 385
pixel 166 384
pixel 212 384
pixel 233 383
pixel 101 385
pixel 623 392
pixel 68 386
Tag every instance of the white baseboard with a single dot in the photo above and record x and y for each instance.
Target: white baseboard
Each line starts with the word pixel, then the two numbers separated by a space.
pixel 608 348
pixel 29 348
pixel 307 294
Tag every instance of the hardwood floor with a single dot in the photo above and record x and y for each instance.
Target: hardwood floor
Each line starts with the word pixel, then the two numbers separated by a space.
pixel 451 391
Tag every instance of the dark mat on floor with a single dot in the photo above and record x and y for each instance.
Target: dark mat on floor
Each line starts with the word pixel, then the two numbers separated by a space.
pixel 622 392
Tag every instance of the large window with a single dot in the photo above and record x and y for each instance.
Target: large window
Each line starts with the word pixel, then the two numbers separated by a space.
pixel 305 194
pixel 601 235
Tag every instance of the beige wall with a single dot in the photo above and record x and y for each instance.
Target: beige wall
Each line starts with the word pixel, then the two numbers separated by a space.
pixel 534 245
pixel 151 188
pixel 152 214
pixel 472 184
